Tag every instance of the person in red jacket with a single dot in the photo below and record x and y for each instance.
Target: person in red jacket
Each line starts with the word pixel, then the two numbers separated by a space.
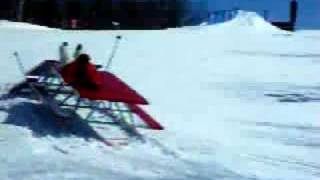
pixel 81 73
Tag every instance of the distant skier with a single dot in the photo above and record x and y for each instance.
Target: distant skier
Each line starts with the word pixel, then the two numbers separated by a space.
pixel 81 73
pixel 63 52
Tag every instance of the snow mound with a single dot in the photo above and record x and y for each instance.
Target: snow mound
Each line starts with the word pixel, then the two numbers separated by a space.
pixel 244 20
pixel 4 24
pixel 251 20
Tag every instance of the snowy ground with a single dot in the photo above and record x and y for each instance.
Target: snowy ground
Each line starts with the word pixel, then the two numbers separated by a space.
pixel 239 100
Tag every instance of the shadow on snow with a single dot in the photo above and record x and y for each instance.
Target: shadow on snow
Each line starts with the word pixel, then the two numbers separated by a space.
pixel 43 122
pixel 293 97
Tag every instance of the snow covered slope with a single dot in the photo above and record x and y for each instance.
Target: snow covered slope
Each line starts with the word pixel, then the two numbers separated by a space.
pixel 4 24
pixel 239 101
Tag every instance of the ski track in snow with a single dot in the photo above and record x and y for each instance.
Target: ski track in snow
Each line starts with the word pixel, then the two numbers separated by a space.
pixel 239 100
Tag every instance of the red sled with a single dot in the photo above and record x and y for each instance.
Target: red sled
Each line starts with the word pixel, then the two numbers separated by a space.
pixel 112 97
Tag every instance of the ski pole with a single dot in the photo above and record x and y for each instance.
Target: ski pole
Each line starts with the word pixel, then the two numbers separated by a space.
pixel 19 62
pixel 113 52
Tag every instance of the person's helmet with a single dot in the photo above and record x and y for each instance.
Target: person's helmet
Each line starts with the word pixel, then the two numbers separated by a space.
pixel 65 43
pixel 83 58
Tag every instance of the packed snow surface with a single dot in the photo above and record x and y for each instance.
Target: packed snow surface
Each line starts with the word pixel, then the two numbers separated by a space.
pixel 238 102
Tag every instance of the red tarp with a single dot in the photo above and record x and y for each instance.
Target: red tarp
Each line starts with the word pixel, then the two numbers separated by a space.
pixel 152 123
pixel 109 87
pixel 113 89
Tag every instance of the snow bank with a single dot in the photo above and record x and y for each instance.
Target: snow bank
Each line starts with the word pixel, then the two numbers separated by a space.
pixel 245 20
pixel 251 19
pixel 4 24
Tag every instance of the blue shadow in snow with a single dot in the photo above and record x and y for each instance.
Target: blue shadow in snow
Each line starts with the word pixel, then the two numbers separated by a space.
pixel 42 122
pixel 293 97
